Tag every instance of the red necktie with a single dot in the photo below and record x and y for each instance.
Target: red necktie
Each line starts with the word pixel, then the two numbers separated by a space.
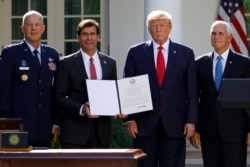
pixel 92 69
pixel 160 65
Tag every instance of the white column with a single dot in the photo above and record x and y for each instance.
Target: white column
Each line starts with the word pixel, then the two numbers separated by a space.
pixel 174 7
pixel 126 28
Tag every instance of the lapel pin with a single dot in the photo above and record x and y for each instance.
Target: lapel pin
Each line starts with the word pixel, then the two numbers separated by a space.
pixel 174 51
pixel 104 62
pixel 230 62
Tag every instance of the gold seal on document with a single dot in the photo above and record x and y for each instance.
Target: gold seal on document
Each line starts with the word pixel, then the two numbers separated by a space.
pixel 24 77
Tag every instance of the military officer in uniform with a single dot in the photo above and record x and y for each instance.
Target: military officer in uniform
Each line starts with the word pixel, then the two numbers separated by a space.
pixel 27 71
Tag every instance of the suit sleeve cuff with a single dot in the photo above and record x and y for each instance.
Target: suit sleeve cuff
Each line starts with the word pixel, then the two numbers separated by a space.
pixel 80 112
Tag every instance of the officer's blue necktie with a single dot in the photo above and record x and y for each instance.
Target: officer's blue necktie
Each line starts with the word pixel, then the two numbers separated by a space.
pixel 37 61
pixel 36 57
pixel 218 72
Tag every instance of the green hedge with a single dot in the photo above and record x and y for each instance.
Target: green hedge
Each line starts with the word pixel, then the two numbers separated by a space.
pixel 120 138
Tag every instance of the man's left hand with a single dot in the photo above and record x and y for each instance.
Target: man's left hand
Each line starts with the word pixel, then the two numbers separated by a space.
pixel 189 130
pixel 55 133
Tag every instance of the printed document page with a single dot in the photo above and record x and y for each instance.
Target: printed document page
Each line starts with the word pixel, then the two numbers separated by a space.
pixel 103 97
pixel 135 94
pixel 132 95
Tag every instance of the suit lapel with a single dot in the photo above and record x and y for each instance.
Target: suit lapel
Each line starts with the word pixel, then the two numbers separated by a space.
pixel 210 72
pixel 171 64
pixel 149 58
pixel 103 65
pixel 229 65
pixel 29 56
pixel 44 60
pixel 79 65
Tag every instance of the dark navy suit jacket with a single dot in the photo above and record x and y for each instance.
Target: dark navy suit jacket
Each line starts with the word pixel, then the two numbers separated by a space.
pixel 25 92
pixel 178 93
pixel 231 124
pixel 71 94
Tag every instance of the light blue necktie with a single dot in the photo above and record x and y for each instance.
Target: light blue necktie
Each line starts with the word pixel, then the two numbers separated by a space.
pixel 218 72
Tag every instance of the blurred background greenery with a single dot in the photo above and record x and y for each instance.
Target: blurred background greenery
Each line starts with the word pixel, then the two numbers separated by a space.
pixel 120 138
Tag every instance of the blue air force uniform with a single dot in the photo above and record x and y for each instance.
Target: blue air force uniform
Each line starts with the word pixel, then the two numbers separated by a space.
pixel 26 88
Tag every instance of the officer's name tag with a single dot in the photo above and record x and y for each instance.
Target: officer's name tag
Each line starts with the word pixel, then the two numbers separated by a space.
pixel 24 68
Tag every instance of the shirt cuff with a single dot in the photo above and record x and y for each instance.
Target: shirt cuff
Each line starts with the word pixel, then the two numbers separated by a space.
pixel 80 113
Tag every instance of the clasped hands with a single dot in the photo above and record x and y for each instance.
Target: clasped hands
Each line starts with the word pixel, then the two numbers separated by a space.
pixel 86 111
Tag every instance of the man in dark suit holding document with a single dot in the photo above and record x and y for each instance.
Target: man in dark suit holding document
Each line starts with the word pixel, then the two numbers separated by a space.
pixel 79 128
pixel 161 132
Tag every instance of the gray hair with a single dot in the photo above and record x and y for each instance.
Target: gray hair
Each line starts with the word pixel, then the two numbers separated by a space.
pixel 32 12
pixel 158 14
pixel 226 24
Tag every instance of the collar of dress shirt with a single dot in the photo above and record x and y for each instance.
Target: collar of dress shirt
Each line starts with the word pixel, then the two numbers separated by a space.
pixel 32 48
pixel 165 45
pixel 224 55
pixel 86 57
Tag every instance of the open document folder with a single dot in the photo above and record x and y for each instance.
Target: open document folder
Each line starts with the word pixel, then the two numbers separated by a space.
pixel 126 96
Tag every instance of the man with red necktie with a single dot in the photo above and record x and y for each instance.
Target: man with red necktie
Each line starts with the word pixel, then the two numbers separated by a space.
pixel 80 128
pixel 161 132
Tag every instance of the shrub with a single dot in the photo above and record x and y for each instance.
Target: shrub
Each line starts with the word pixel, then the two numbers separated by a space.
pixel 120 138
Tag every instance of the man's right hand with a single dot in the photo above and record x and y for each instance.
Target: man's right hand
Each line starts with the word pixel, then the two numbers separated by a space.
pixel 195 140
pixel 87 112
pixel 131 127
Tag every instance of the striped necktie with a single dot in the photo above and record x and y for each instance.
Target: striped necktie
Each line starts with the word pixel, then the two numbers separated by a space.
pixel 92 69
